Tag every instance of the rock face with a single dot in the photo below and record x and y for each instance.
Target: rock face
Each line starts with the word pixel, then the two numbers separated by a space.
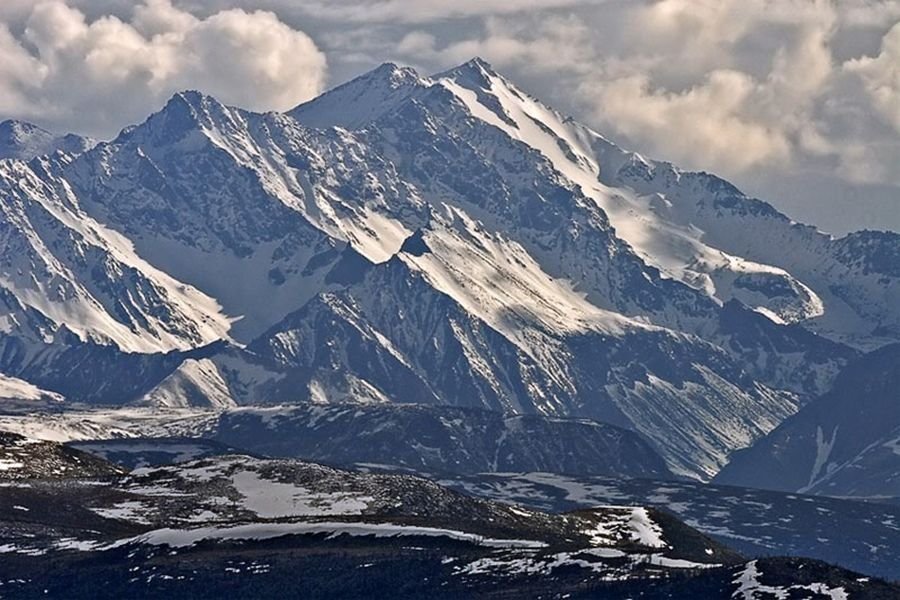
pixel 845 443
pixel 444 241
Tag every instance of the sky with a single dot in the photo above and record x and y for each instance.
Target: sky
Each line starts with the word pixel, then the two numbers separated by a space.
pixel 795 101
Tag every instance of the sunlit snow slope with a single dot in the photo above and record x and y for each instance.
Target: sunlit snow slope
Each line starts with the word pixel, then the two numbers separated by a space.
pixel 444 240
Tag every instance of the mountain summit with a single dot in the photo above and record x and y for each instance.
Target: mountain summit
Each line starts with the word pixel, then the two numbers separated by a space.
pixel 23 140
pixel 443 240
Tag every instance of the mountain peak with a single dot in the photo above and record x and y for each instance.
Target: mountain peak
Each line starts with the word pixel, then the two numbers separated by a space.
pixel 475 68
pixel 476 74
pixel 192 98
pixel 23 140
pixel 192 102
pixel 185 111
pixel 15 129
pixel 362 100
pixel 392 72
pixel 479 63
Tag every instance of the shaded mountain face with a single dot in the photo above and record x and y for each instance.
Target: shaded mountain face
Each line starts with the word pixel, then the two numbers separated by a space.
pixel 440 353
pixel 443 241
pixel 845 443
pixel 436 439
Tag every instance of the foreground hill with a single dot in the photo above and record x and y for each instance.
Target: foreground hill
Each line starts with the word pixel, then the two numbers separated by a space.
pixel 23 458
pixel 858 535
pixel 861 536
pixel 253 526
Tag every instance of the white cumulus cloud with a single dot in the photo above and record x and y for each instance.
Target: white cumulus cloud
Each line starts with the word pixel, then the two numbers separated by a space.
pixel 881 76
pixel 797 101
pixel 61 68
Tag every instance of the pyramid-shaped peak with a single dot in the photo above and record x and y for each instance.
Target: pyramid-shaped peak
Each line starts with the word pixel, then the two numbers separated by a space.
pixel 361 100
pixel 185 111
pixel 193 100
pixel 475 73
pixel 475 67
pixel 388 75
pixel 480 64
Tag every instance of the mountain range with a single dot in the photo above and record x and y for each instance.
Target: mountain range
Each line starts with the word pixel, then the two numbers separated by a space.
pixel 443 240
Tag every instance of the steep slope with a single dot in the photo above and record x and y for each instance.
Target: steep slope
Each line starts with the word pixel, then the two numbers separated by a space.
pixel 475 108
pixel 195 191
pixel 182 187
pixel 24 141
pixel 392 335
pixel 701 230
pixel 64 268
pixel 845 443
pixel 460 232
pixel 215 195
pixel 536 176
pixel 664 245
pixel 854 277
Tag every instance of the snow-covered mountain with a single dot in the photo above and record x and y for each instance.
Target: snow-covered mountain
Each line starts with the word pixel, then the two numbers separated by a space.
pixel 391 335
pixel 19 139
pixel 443 240
pixel 13 390
pixel 845 443
pixel 693 227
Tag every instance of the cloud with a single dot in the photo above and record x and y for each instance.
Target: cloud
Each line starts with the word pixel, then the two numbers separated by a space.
pixel 545 45
pixel 755 90
pixel 709 124
pixel 687 94
pixel 421 11
pixel 746 88
pixel 95 76
pixel 880 76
